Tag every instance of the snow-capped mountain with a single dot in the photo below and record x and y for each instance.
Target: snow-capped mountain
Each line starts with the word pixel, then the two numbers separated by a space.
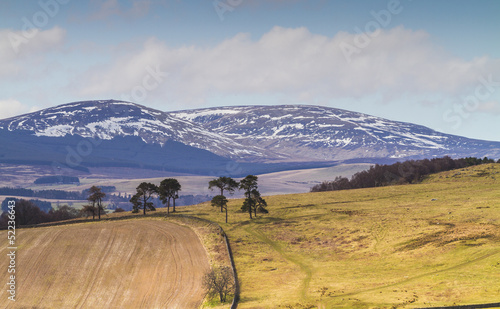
pixel 136 135
pixel 108 119
pixel 303 132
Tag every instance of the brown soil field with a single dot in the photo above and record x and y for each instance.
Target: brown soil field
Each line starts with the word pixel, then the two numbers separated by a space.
pixel 122 264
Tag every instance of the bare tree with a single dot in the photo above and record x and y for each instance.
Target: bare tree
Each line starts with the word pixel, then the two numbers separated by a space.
pixel 219 282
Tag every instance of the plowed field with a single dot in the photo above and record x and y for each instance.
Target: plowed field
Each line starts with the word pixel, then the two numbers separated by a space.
pixel 120 264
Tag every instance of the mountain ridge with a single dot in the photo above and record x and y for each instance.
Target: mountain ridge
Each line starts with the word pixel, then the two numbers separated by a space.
pixel 105 119
pixel 260 134
pixel 333 134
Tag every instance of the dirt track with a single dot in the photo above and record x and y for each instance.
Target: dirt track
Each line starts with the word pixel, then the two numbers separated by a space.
pixel 127 264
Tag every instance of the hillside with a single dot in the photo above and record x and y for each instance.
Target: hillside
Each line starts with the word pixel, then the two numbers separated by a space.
pixel 320 133
pixel 234 141
pixel 119 264
pixel 108 119
pixel 408 246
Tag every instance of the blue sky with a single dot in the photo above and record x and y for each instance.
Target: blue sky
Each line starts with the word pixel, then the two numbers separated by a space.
pixel 435 63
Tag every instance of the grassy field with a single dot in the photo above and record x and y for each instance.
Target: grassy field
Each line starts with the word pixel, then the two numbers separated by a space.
pixel 429 244
pixel 139 263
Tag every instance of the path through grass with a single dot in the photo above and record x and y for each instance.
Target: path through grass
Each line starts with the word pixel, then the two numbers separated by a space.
pixel 409 246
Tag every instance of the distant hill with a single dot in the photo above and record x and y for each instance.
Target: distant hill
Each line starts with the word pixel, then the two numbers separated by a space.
pixel 311 133
pixel 223 140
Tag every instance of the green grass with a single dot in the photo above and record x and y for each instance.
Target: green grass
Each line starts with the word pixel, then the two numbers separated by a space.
pixel 429 244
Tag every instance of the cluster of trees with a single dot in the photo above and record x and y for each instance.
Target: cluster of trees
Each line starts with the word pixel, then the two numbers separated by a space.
pixel 167 191
pixel 48 194
pixel 253 200
pixel 27 213
pixel 43 205
pixel 412 171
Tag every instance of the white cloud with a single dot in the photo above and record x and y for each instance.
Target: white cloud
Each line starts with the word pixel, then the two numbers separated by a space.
pixel 11 107
pixel 295 63
pixel 20 49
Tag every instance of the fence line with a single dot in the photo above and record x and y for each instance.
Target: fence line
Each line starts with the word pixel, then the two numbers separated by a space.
pixel 478 306
pixel 236 297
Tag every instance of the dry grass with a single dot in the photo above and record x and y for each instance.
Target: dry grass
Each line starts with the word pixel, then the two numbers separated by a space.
pixel 431 244
pixel 214 243
pixel 121 264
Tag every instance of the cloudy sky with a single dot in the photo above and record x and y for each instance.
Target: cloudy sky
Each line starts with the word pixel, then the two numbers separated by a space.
pixel 435 63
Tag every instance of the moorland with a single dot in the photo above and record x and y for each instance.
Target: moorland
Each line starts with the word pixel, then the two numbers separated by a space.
pixel 434 243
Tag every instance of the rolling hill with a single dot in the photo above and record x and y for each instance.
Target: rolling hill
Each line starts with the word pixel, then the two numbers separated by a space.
pixel 409 246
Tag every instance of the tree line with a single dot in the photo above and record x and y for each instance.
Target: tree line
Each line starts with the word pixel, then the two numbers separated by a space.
pixel 27 213
pixel 60 194
pixel 48 194
pixel 36 211
pixel 412 171
pixel 43 205
pixel 167 191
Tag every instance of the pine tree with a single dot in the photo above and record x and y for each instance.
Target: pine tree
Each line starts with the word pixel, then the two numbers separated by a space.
pixel 223 183
pixel 169 189
pixel 141 199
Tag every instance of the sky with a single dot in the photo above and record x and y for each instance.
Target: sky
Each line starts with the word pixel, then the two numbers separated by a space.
pixel 434 63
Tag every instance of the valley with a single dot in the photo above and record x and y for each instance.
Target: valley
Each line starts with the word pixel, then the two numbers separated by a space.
pixel 126 179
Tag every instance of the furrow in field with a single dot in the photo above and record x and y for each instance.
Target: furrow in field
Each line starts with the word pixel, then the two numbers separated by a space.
pixel 126 264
